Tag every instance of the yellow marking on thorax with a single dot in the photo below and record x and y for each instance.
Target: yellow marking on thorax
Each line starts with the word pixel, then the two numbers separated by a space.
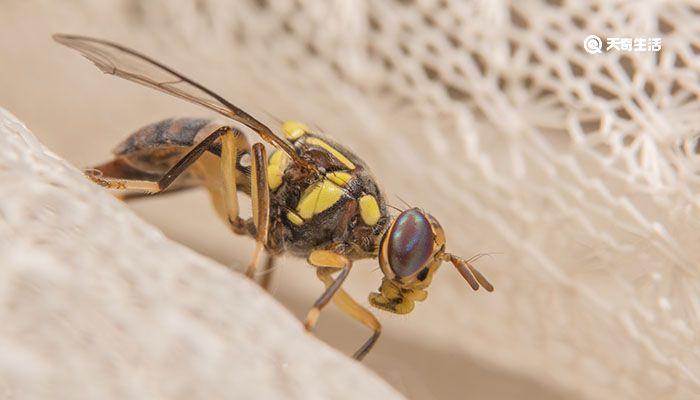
pixel 369 209
pixel 318 198
pixel 293 130
pixel 294 218
pixel 275 168
pixel 320 143
pixel 339 178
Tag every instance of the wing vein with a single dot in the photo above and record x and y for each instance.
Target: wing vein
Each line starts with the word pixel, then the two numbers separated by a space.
pixel 131 65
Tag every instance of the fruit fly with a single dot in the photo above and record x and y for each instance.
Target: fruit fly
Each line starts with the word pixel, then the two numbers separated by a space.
pixel 312 197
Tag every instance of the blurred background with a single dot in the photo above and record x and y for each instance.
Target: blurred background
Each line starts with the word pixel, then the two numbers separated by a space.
pixel 577 171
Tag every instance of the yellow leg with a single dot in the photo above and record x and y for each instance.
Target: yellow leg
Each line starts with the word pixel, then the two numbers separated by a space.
pixel 267 272
pixel 228 165
pixel 229 151
pixel 169 177
pixel 260 193
pixel 329 262
pixel 152 187
pixel 260 196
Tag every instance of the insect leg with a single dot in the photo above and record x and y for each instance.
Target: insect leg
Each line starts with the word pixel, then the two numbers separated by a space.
pixel 168 178
pixel 267 271
pixel 327 263
pixel 228 158
pixel 229 150
pixel 260 196
pixel 330 261
pixel 136 195
pixel 354 310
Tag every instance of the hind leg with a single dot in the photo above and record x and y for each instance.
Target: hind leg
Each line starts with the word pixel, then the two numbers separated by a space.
pixel 228 167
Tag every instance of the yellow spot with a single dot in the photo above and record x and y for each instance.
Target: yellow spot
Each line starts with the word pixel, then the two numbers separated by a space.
pixel 339 178
pixel 317 198
pixel 293 130
pixel 275 168
pixel 274 176
pixel 369 209
pixel 278 157
pixel 320 143
pixel 294 218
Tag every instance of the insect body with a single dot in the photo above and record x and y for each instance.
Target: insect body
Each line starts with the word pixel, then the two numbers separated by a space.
pixel 312 197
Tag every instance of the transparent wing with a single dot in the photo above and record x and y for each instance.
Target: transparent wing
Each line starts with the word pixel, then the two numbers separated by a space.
pixel 125 63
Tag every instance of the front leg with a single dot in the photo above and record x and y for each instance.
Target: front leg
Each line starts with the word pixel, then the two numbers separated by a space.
pixel 328 262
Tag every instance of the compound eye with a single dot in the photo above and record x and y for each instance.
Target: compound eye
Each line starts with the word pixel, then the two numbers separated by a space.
pixel 411 243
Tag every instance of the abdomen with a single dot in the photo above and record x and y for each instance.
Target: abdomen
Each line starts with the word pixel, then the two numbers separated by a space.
pixel 151 151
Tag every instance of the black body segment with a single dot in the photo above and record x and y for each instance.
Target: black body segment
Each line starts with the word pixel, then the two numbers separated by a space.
pixel 338 227
pixel 180 132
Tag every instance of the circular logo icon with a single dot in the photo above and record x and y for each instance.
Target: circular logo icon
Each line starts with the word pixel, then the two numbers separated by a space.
pixel 592 44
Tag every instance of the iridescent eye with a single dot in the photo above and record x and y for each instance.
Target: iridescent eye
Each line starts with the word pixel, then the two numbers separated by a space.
pixel 411 243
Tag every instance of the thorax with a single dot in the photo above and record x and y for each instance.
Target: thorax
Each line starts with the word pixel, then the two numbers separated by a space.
pixel 339 208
